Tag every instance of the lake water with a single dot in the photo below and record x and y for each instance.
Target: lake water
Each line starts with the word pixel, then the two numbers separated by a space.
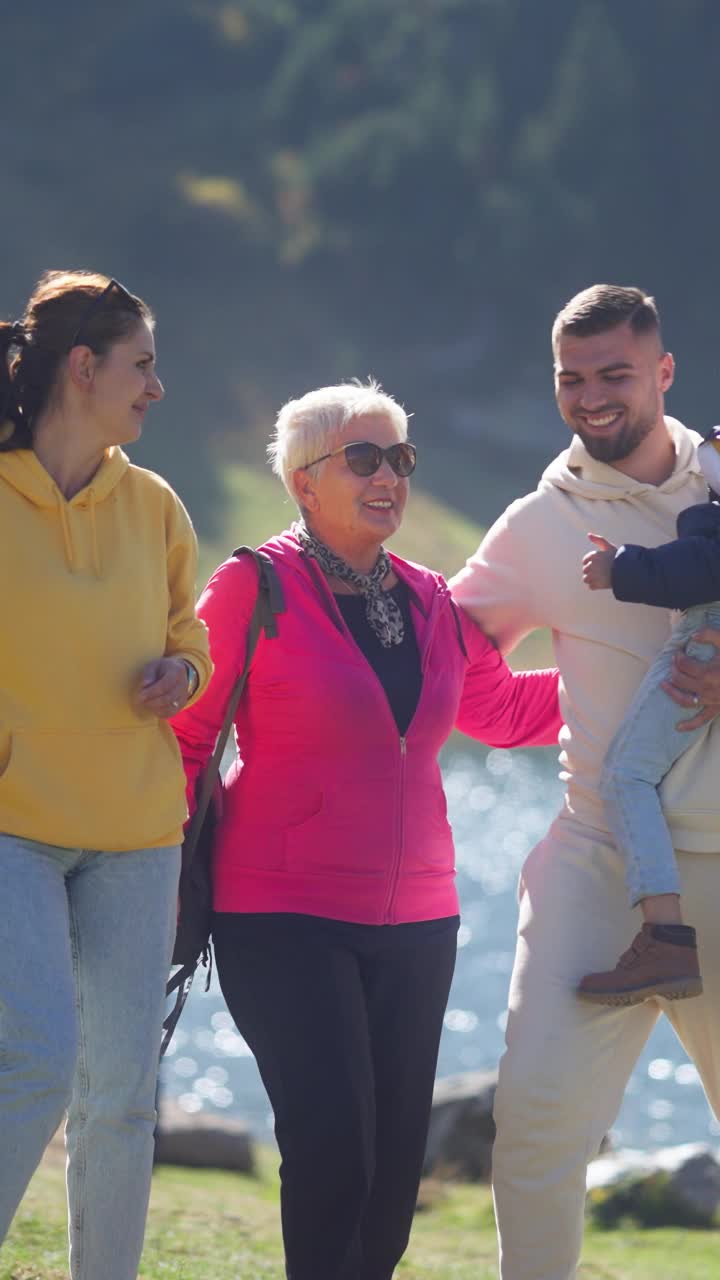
pixel 500 803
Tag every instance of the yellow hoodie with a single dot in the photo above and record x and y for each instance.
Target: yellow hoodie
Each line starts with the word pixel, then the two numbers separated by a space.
pixel 90 590
pixel 527 573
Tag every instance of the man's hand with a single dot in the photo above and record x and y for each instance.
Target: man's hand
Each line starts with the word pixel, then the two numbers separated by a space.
pixel 696 684
pixel 597 565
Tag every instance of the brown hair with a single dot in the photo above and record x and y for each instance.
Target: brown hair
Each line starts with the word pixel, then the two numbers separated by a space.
pixel 32 351
pixel 606 306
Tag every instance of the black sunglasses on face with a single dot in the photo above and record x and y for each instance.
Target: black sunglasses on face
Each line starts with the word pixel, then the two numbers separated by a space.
pixel 94 305
pixel 365 458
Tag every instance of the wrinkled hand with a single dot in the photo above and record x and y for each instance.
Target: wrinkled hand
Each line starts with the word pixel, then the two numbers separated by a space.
pixel 163 687
pixel 696 684
pixel 597 565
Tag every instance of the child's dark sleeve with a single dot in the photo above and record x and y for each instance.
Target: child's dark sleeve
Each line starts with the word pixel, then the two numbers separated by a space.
pixel 675 575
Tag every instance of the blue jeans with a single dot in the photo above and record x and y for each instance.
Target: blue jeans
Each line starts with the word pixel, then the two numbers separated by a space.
pixel 85 947
pixel 643 750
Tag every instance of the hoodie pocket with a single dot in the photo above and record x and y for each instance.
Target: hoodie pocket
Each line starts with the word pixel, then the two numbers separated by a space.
pixel 108 789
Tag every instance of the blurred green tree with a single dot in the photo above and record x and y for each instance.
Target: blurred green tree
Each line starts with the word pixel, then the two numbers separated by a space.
pixel 312 189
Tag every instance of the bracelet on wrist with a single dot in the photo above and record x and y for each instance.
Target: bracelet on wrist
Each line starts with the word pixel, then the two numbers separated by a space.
pixel 193 678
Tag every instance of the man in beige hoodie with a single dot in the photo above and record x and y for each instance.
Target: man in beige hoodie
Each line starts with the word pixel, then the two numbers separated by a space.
pixel 627 474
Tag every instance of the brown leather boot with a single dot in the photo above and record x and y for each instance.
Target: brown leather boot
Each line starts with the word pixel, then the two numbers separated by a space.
pixel 653 966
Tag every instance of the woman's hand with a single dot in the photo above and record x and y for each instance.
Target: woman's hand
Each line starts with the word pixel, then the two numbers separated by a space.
pixel 597 564
pixel 696 684
pixel 163 687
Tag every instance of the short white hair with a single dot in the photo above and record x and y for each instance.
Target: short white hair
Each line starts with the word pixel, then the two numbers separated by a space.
pixel 309 427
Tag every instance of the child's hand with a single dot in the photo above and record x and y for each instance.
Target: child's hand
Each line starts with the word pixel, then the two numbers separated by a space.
pixel 597 565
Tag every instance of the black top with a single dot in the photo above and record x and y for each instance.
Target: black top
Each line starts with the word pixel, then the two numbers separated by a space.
pixel 397 667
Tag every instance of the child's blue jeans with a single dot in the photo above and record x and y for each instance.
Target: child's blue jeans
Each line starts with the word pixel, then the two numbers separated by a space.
pixel 643 750
pixel 85 946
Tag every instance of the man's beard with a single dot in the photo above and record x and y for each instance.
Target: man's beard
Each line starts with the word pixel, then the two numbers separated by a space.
pixel 615 448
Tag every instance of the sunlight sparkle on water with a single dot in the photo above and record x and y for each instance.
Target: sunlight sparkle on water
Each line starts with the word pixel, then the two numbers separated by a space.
pixel 185 1067
pixel 687 1073
pixel 660 1069
pixel 222 1021
pixel 499 762
pixel 190 1103
pixel 461 1020
pixel 231 1044
pixel 517 845
pixel 203 1038
pixel 457 784
pixel 660 1109
pixel 214 1093
pixel 496 961
pixel 481 799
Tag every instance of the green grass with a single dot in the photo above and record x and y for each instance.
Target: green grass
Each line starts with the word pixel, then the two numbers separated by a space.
pixel 255 506
pixel 224 1226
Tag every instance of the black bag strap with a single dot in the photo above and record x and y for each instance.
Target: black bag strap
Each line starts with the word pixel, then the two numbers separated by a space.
pixel 182 981
pixel 268 603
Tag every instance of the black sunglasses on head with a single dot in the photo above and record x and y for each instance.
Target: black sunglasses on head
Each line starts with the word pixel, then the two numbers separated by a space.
pixel 365 458
pixel 94 306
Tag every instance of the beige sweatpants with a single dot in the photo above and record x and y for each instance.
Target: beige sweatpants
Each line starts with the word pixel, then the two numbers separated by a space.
pixel 566 1065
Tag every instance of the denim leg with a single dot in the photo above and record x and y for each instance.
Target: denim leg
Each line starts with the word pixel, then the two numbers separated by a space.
pixel 38 1027
pixel 122 922
pixel 706 615
pixel 643 750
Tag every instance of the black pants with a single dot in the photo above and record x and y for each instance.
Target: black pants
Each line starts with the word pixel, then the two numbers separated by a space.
pixel 344 1021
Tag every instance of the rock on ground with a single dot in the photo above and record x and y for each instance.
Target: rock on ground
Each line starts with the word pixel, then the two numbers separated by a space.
pixel 202 1141
pixel 462 1129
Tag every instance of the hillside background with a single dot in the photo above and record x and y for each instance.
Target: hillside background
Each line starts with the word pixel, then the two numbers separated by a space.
pixel 308 190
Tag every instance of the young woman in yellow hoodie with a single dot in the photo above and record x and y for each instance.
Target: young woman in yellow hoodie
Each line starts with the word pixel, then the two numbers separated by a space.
pixel 99 646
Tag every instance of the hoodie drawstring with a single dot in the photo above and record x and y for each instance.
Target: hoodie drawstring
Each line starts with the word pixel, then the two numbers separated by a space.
pixel 63 509
pixel 65 525
pixel 94 533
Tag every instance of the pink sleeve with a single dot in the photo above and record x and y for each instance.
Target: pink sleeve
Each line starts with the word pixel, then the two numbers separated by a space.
pixel 225 607
pixel 501 707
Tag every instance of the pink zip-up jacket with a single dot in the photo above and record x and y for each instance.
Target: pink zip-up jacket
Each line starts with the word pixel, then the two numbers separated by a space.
pixel 327 809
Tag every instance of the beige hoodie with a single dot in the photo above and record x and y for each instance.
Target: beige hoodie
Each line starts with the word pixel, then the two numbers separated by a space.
pixel 527 574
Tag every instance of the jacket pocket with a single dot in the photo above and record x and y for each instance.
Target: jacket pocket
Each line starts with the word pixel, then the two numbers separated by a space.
pixel 108 789
pixel 428 833
pixel 342 838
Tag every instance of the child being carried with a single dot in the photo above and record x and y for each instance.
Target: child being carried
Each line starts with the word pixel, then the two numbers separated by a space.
pixel 662 959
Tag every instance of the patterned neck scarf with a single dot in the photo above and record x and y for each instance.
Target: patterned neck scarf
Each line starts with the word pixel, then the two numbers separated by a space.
pixel 381 611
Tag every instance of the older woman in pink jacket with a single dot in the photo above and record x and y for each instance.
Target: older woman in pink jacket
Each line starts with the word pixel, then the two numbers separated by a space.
pixel 336 910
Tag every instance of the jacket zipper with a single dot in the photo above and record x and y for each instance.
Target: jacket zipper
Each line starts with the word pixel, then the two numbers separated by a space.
pixel 400 840
pixel 431 623
pixel 400 845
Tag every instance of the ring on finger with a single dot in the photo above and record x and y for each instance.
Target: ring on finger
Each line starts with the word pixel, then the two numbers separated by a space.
pixel 695 699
